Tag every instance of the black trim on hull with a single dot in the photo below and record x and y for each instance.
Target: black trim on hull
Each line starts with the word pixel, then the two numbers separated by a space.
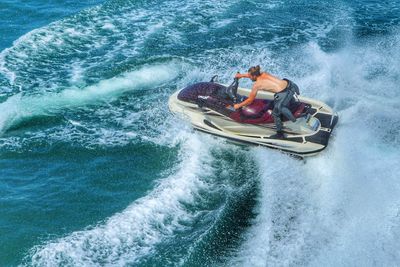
pixel 270 125
pixel 324 119
pixel 312 111
pixel 321 137
pixel 292 139
pixel 251 136
pixel 208 123
pixel 295 139
pixel 298 154
pixel 334 122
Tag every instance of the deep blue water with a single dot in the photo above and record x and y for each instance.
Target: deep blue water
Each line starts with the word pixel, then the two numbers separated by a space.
pixel 94 170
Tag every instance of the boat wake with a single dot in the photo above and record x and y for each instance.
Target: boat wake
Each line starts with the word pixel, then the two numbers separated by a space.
pixel 19 107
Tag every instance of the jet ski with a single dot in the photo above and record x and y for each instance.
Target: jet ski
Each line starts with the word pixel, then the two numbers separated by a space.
pixel 208 107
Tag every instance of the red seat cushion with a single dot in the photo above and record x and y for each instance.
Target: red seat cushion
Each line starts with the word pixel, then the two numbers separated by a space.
pixel 265 115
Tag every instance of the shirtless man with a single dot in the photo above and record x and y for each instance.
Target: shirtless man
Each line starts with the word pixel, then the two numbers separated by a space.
pixel 284 91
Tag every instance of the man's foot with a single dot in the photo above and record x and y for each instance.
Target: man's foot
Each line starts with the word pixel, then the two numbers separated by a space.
pixel 306 116
pixel 278 135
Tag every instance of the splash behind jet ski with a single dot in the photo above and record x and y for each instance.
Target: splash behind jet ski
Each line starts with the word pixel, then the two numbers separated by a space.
pixel 208 106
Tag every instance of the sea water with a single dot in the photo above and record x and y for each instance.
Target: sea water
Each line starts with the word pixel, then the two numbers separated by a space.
pixel 95 171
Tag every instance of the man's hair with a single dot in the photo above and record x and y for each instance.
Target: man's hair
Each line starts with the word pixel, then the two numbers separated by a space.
pixel 255 71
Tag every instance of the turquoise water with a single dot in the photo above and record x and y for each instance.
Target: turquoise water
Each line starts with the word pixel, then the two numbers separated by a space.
pixel 94 170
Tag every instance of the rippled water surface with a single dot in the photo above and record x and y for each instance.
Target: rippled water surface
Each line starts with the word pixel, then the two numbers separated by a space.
pixel 94 170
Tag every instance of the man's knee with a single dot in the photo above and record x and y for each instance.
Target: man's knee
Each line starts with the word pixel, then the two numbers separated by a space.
pixel 277 109
pixel 296 89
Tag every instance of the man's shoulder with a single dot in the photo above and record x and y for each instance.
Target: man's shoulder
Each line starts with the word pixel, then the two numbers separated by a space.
pixel 257 85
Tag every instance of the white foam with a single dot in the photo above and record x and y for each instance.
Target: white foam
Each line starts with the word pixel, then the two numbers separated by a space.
pixel 76 73
pixel 108 26
pixel 127 236
pixel 358 197
pixel 31 61
pixel 342 207
pixel 281 232
pixel 18 107
pixel 223 23
pixel 334 210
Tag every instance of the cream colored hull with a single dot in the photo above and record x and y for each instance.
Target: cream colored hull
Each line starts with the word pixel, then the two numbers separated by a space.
pixel 302 141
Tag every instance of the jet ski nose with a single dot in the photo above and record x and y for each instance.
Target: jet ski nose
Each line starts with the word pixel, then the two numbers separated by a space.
pixel 192 92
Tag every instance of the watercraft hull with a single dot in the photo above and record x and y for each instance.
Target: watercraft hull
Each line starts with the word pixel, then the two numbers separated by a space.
pixel 300 141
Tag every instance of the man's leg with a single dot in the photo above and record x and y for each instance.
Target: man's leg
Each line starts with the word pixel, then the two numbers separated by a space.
pixel 287 97
pixel 276 114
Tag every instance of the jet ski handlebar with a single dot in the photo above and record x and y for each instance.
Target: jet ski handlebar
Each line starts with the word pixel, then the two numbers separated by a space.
pixel 232 89
pixel 214 79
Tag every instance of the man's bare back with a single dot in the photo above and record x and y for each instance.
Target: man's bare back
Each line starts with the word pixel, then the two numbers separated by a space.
pixel 264 81
pixel 270 83
pixel 284 91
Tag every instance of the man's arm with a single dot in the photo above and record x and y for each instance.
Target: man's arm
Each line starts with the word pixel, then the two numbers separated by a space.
pixel 244 75
pixel 249 100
